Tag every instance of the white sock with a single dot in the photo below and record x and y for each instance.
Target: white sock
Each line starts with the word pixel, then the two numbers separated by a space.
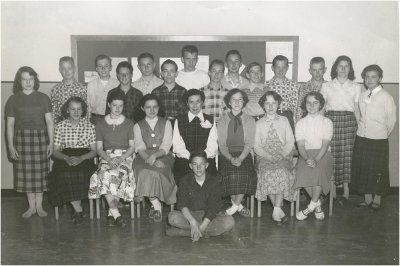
pixel 115 213
pixel 277 212
pixel 312 205
pixel 231 210
pixel 240 206
pixel 156 204
pixel 109 212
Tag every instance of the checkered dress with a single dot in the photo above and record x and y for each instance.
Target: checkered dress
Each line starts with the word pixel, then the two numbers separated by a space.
pixel 370 166
pixel 344 133
pixel 131 103
pixel 214 101
pixel 171 101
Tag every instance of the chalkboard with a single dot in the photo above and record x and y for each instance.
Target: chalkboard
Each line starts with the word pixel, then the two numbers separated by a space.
pixel 85 48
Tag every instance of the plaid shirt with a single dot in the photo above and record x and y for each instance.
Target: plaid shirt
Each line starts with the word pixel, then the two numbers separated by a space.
pixel 214 101
pixel 80 137
pixel 131 103
pixel 61 92
pixel 171 101
pixel 305 88
pixel 289 92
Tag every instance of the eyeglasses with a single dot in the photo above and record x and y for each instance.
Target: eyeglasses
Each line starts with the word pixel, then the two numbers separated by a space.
pixel 103 67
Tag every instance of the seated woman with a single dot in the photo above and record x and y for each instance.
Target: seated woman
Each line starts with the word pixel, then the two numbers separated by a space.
pixel 193 132
pixel 153 166
pixel 74 150
pixel 236 132
pixel 273 145
pixel 315 166
pixel 115 145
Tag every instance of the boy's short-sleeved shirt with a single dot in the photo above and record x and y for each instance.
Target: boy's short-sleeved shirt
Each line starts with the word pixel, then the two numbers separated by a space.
pixel 97 94
pixel 193 80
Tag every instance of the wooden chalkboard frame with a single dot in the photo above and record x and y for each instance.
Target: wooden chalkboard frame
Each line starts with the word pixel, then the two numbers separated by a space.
pixel 75 39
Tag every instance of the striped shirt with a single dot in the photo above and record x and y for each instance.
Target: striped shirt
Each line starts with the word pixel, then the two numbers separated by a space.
pixel 214 101
pixel 252 107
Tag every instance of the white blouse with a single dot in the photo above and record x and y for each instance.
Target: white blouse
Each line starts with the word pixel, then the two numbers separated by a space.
pixel 340 97
pixel 313 130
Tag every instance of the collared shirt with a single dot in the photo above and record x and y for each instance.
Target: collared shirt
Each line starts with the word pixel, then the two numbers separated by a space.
pixel 61 92
pixel 378 114
pixel 179 147
pixel 304 89
pixel 252 107
pixel 81 136
pixel 228 83
pixel 147 87
pixel 313 130
pixel 214 101
pixel 205 198
pixel 192 80
pixel 131 103
pixel 340 97
pixel 171 101
pixel 97 94
pixel 288 90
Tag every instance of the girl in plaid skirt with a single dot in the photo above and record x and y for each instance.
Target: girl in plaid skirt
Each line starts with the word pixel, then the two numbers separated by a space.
pixel 30 138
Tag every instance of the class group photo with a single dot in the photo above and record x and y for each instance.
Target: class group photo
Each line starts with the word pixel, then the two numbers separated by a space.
pixel 193 132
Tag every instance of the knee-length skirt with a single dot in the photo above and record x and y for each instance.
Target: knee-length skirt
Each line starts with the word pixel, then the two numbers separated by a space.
pixel 70 183
pixel 237 180
pixel 318 176
pixel 370 168
pixel 152 181
pixel 119 182
pixel 32 167
pixel 344 134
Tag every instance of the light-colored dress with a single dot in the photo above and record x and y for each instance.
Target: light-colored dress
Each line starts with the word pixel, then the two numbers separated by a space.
pixel 274 137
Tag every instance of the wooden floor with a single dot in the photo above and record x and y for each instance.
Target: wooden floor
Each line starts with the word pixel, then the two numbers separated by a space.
pixel 350 236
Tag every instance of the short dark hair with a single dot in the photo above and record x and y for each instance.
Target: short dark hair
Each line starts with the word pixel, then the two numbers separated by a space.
pixel 100 57
pixel 199 153
pixel 216 62
pixel 232 92
pixel 116 95
pixel 169 61
pixel 145 55
pixel 124 64
pixel 280 58
pixel 75 99
pixel 192 92
pixel 317 96
pixel 317 60
pixel 375 68
pixel 148 97
pixel 274 95
pixel 338 60
pixel 17 86
pixel 232 52
pixel 253 64
pixel 66 59
pixel 189 49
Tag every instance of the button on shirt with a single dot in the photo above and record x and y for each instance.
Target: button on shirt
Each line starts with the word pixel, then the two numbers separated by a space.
pixel 97 94
pixel 378 114
pixel 340 97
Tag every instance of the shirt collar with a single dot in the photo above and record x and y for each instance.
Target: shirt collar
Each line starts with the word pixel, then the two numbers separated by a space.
pixel 192 116
pixel 374 91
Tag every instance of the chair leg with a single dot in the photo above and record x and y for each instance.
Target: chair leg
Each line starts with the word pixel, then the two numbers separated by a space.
pixel 292 209
pixel 248 202
pixel 138 210
pixel 91 209
pixel 258 208
pixel 172 207
pixel 103 203
pixel 252 206
pixel 298 201
pixel 56 212
pixel 98 209
pixel 132 210
pixel 144 203
pixel 331 198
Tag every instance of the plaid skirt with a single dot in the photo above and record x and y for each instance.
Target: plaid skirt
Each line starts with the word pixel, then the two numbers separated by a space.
pixel 70 183
pixel 344 134
pixel 370 168
pixel 237 180
pixel 32 167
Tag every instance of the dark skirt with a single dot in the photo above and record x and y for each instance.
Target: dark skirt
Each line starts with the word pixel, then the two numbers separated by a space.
pixel 344 134
pixel 32 167
pixel 70 183
pixel 237 180
pixel 370 168
pixel 181 168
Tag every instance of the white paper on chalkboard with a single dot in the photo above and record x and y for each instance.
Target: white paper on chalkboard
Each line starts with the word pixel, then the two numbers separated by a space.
pixel 136 72
pixel 273 49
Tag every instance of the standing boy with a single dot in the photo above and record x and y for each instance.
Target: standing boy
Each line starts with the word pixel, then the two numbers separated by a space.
pixel 286 88
pixel 148 81
pixel 170 93
pixel 98 88
pixel 190 77
pixel 67 88
pixel 317 70
pixel 214 92
pixel 255 90
pixel 200 204
pixel 132 95
pixel 233 79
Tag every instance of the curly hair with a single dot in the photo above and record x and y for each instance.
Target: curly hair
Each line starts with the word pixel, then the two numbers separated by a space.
pixel 318 96
pixel 17 87
pixel 375 68
pixel 75 99
pixel 274 95
pixel 232 92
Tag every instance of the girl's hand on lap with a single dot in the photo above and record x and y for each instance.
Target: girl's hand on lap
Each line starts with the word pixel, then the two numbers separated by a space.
pixel 151 160
pixel 159 164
